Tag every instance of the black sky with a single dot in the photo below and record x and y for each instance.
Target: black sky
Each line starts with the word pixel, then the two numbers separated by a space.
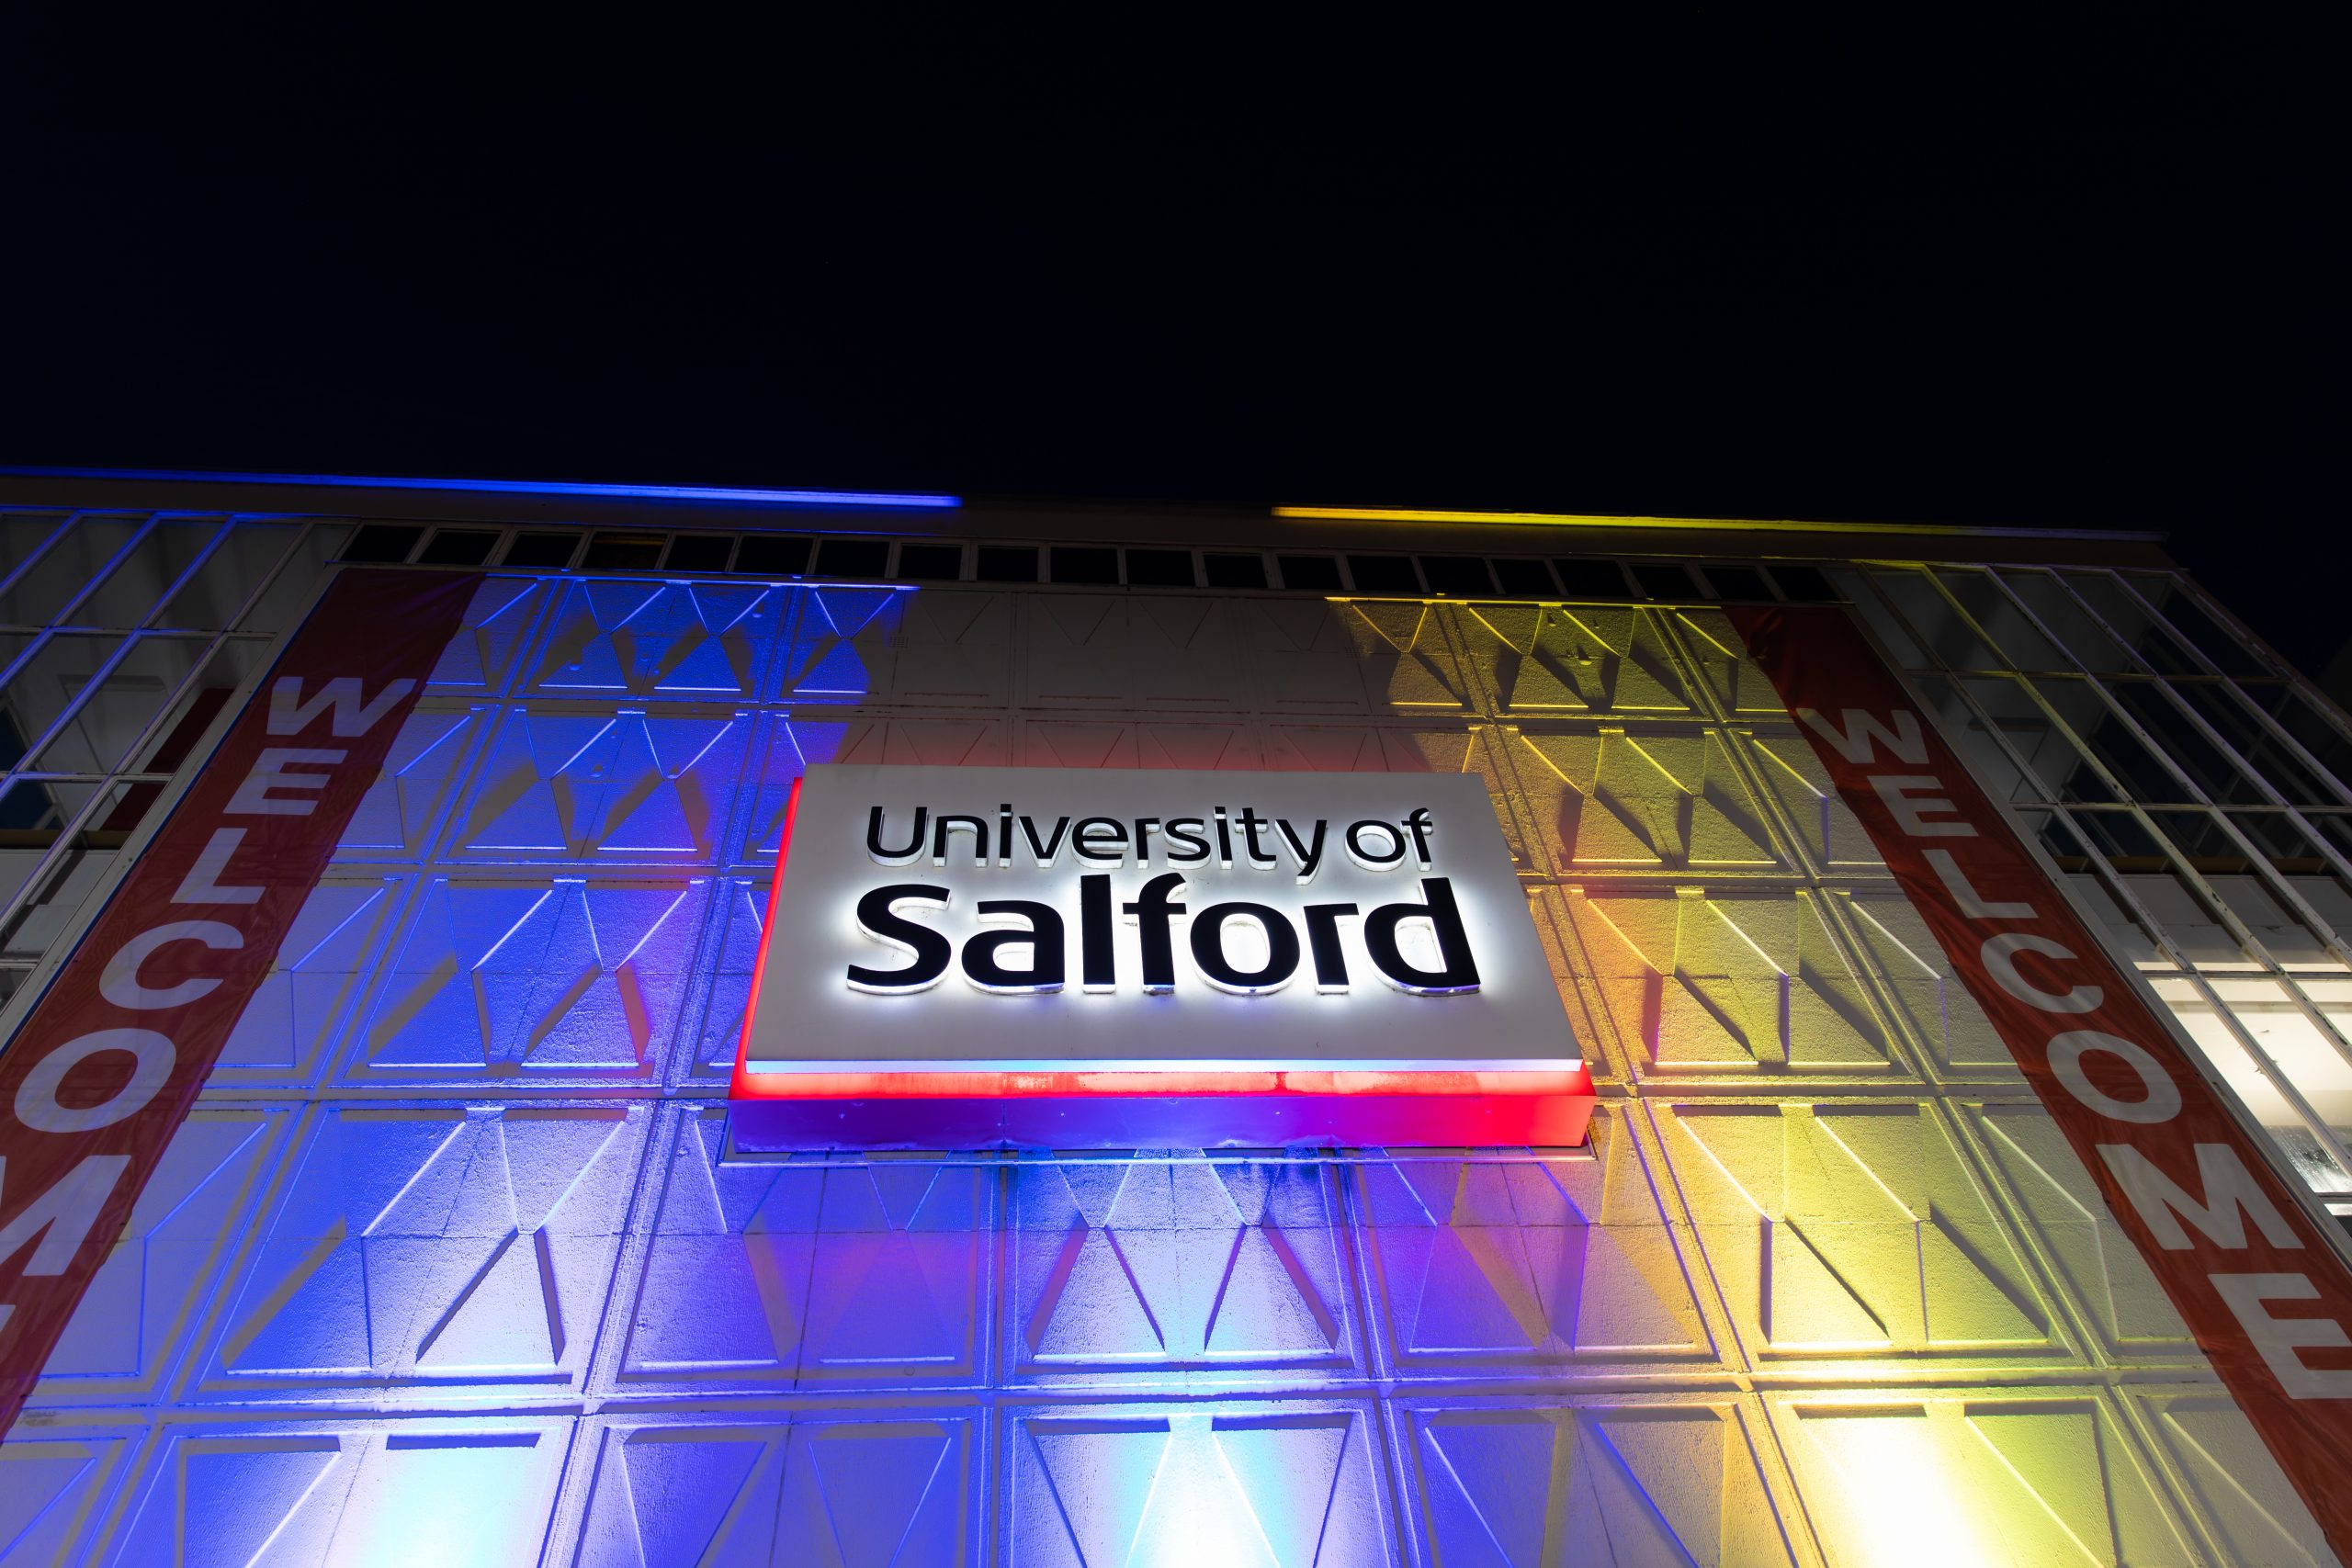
pixel 2074 271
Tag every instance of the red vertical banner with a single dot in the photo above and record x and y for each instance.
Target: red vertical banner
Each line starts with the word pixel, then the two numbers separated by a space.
pixel 2268 1297
pixel 104 1070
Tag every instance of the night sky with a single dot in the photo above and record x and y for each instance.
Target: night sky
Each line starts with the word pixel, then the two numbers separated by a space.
pixel 2086 272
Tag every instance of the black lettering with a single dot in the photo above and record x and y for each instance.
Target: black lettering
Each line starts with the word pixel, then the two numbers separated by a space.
pixel 1366 858
pixel 1208 949
pixel 946 825
pixel 1310 854
pixel 1144 827
pixel 1323 942
pixel 1097 965
pixel 983 961
pixel 1187 830
pixel 1100 840
pixel 878 918
pixel 1153 906
pixel 1420 824
pixel 1458 970
pixel 1224 838
pixel 1051 849
pixel 1260 858
pixel 881 856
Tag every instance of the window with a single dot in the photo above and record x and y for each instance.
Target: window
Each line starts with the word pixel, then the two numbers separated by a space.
pixel 772 555
pixel 1159 568
pixel 1072 563
pixel 699 552
pixel 1236 572
pixel 458 546
pixel 1007 563
pixel 931 563
pixel 542 549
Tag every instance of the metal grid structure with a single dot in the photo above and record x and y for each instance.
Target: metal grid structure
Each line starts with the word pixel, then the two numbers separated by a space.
pixel 454 1263
pixel 122 636
pixel 2197 787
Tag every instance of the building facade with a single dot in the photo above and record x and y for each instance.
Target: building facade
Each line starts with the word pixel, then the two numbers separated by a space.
pixel 452 1258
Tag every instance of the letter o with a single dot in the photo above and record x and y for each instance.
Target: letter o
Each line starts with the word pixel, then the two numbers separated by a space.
pixel 120 985
pixel 37 1104
pixel 2000 963
pixel 1364 858
pixel 1209 956
pixel 2066 1053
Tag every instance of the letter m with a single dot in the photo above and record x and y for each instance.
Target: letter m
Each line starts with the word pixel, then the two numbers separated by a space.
pixel 291 715
pixel 61 1216
pixel 1852 740
pixel 2232 1195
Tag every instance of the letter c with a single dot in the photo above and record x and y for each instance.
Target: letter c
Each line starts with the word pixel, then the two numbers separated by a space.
pixel 120 985
pixel 2001 964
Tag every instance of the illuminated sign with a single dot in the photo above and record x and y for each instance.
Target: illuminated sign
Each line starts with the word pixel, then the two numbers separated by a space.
pixel 975 954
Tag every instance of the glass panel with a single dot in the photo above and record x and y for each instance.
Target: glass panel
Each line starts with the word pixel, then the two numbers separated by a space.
pixel 555 549
pixel 2278 840
pixel 21 533
pixel 1935 624
pixel 133 590
pixel 688 552
pixel 2198 836
pixel 2130 620
pixel 1313 574
pixel 1986 757
pixel 1591 579
pixel 2069 620
pixel 2176 604
pixel 113 717
pixel 944 563
pixel 835 558
pixel 1091 564
pixel 1387 574
pixel 2253 745
pixel 2132 766
pixel 1881 618
pixel 51 903
pixel 2209 767
pixel 767 555
pixel 2118 838
pixel 1224 570
pixel 46 683
pixel 29 806
pixel 2311 723
pixel 291 592
pixel 42 594
pixel 226 668
pixel 1146 568
pixel 458 546
pixel 210 599
pixel 2030 733
pixel 2008 627
pixel 2262 1008
pixel 1518 579
pixel 383 542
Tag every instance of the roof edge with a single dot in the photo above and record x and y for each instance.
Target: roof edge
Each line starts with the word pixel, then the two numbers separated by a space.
pixel 1724 525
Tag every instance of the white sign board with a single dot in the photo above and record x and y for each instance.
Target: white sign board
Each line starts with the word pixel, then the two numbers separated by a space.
pixel 1025 919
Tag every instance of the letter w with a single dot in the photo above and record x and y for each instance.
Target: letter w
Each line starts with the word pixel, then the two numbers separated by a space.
pixel 290 714
pixel 1853 741
pixel 61 1216
pixel 2232 1195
